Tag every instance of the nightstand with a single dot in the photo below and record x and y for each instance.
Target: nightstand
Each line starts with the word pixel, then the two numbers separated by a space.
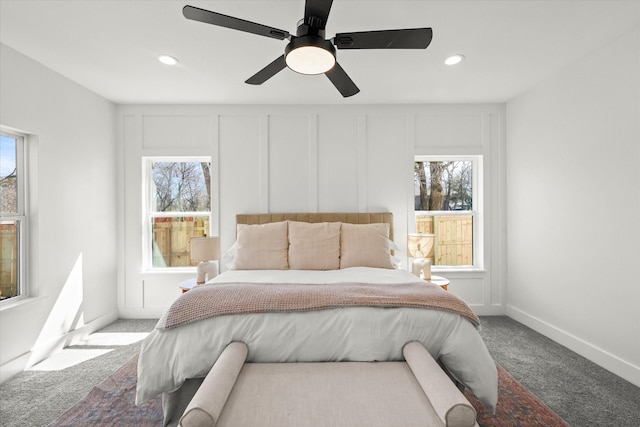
pixel 187 285
pixel 443 282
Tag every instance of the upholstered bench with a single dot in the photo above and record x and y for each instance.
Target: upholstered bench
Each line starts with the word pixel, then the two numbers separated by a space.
pixel 372 394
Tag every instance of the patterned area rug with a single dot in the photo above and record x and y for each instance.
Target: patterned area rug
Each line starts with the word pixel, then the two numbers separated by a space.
pixel 517 407
pixel 111 403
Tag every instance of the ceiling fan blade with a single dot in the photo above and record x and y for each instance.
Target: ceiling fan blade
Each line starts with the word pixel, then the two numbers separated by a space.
pixel 267 72
pixel 214 18
pixel 342 81
pixel 316 13
pixel 414 38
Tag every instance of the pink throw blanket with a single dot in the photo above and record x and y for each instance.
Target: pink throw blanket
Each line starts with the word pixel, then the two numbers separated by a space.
pixel 217 299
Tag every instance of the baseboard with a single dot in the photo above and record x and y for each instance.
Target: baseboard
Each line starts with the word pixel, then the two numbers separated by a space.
pixel 14 367
pixel 29 359
pixel 597 355
pixel 141 313
pixel 488 310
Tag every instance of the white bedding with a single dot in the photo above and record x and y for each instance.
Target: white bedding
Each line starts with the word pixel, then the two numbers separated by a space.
pixel 168 357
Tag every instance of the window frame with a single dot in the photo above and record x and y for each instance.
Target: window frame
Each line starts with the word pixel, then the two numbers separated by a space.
pixel 20 217
pixel 148 214
pixel 476 212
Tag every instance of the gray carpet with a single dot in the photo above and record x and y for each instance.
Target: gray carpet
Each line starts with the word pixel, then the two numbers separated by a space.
pixel 36 398
pixel 579 391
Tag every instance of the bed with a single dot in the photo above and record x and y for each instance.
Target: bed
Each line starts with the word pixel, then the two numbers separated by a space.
pixel 310 288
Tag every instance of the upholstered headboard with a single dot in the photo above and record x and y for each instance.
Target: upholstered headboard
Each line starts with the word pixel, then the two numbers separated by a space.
pixel 351 218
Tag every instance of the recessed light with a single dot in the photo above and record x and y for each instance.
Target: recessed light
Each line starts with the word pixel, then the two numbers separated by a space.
pixel 167 59
pixel 454 59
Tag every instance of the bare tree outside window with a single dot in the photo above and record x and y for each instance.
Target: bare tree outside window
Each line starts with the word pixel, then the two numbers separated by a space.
pixel 443 185
pixel 182 186
pixel 8 175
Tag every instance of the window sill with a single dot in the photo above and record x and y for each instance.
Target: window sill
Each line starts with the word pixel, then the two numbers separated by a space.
pixel 458 270
pixel 15 302
pixel 172 270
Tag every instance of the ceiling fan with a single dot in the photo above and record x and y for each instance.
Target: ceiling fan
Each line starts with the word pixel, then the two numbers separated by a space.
pixel 308 52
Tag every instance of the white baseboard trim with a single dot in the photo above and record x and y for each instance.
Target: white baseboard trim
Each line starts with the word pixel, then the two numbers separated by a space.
pixel 597 355
pixel 14 367
pixel 141 313
pixel 25 361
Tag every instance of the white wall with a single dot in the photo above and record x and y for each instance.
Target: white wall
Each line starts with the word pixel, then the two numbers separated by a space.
pixel 308 159
pixel 573 197
pixel 72 263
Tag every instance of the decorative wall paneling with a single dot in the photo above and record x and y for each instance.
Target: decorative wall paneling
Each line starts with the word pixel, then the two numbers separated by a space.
pixel 306 158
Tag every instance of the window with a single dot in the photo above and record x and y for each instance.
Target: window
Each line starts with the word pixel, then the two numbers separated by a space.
pixel 12 216
pixel 178 207
pixel 447 207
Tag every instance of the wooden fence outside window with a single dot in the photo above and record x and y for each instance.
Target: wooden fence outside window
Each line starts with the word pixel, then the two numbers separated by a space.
pixel 453 238
pixel 171 240
pixel 8 261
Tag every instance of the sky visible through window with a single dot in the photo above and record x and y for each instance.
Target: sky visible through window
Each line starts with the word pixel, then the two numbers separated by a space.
pixel 7 156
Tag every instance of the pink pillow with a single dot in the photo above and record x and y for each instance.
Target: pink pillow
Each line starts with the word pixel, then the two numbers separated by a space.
pixel 365 245
pixel 262 246
pixel 314 246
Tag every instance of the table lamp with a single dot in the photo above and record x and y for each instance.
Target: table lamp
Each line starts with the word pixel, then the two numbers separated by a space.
pixel 207 251
pixel 419 246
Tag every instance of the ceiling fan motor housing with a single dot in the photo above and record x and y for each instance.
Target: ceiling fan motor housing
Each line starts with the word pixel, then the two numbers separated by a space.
pixel 310 41
pixel 311 28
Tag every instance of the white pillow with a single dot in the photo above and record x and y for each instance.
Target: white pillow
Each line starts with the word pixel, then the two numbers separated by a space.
pixel 229 256
pixel 262 246
pixel 365 245
pixel 314 246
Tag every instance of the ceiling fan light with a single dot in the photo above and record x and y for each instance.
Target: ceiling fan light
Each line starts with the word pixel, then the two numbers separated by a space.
pixel 454 59
pixel 310 55
pixel 310 60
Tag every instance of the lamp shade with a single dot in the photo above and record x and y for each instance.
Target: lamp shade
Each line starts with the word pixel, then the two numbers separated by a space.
pixel 205 248
pixel 420 245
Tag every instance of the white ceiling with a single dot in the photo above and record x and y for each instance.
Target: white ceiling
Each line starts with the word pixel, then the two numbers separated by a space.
pixel 111 47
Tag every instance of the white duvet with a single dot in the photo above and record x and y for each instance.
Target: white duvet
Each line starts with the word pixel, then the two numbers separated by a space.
pixel 168 357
